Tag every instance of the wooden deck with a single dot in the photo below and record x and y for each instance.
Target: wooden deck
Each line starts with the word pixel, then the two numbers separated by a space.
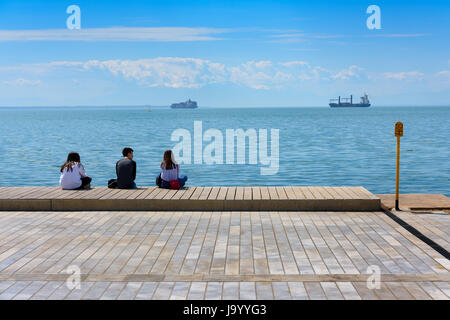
pixel 289 198
pixel 220 255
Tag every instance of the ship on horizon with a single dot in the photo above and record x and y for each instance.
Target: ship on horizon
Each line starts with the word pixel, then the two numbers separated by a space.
pixel 185 105
pixel 348 102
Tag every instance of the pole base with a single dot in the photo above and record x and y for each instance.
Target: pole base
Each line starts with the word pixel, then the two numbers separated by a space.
pixel 396 205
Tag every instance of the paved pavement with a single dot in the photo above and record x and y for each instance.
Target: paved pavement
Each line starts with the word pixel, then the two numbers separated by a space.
pixel 220 255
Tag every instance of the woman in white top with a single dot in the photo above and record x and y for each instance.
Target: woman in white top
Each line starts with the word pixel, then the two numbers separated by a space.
pixel 73 176
pixel 170 173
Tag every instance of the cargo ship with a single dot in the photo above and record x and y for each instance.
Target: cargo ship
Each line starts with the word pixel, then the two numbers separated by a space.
pixel 348 102
pixel 185 105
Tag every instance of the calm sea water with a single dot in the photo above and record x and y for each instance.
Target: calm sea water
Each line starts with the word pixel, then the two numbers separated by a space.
pixel 318 146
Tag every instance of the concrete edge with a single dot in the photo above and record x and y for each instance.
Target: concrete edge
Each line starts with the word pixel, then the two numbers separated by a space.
pixel 190 205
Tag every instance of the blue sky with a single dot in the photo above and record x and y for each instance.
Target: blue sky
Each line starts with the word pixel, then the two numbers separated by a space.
pixel 223 53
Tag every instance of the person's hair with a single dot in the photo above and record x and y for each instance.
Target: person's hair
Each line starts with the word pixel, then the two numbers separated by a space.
pixel 72 158
pixel 126 151
pixel 168 160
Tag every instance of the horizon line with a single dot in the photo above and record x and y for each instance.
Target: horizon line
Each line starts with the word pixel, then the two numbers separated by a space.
pixel 208 107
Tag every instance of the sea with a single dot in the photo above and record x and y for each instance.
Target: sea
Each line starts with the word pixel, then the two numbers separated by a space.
pixel 310 146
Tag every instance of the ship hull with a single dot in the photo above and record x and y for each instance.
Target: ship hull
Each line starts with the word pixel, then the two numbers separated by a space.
pixel 348 105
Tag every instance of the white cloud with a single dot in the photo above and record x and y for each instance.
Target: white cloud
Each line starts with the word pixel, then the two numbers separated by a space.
pixel 294 63
pixel 411 75
pixel 164 72
pixel 161 34
pixel 174 72
pixel 288 38
pixel 443 73
pixel 177 72
pixel 254 74
pixel 21 82
pixel 399 35
pixel 346 74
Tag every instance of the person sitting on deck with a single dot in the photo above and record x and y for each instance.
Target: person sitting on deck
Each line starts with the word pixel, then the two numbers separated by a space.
pixel 126 171
pixel 169 177
pixel 73 176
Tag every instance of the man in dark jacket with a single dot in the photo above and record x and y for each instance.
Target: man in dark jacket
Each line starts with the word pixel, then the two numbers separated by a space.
pixel 126 170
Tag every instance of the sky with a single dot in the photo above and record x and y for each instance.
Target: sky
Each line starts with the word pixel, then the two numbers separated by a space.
pixel 223 53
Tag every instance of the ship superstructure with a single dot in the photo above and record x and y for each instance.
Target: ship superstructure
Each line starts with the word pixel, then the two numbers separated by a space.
pixel 348 102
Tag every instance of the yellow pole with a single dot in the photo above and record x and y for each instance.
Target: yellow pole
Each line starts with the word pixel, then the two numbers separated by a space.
pixel 398 174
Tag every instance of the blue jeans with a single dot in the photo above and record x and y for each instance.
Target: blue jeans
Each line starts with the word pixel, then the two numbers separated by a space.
pixel 166 184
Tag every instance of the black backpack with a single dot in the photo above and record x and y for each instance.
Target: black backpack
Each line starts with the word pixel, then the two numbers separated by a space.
pixel 112 184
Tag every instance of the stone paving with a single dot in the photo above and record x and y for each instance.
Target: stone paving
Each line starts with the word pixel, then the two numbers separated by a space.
pixel 220 255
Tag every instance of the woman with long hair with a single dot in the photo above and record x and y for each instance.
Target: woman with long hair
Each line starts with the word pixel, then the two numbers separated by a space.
pixel 169 177
pixel 73 176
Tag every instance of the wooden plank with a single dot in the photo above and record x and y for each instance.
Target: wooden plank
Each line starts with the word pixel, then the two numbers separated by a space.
pixel 154 193
pixel 213 194
pixel 179 193
pixel 231 193
pixel 308 194
pixel 281 193
pixel 147 192
pixel 78 194
pixel 91 193
pixel 196 194
pixel 122 194
pixel 65 194
pixel 25 191
pixel 290 193
pixel 126 193
pixel 273 193
pixel 333 193
pixel 4 190
pixel 36 194
pixel 264 193
pixel 326 193
pixel 61 193
pixel 357 193
pixel 110 194
pixel 17 192
pixel 365 193
pixel 352 193
pixel 343 193
pixel 48 195
pixel 298 192
pixel 316 192
pixel 9 191
pixel 138 192
pixel 96 194
pixel 188 193
pixel 205 193
pixel 161 194
pixel 30 193
pixel 239 193
pixel 170 194
pixel 256 193
pixel 222 193
pixel 248 193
